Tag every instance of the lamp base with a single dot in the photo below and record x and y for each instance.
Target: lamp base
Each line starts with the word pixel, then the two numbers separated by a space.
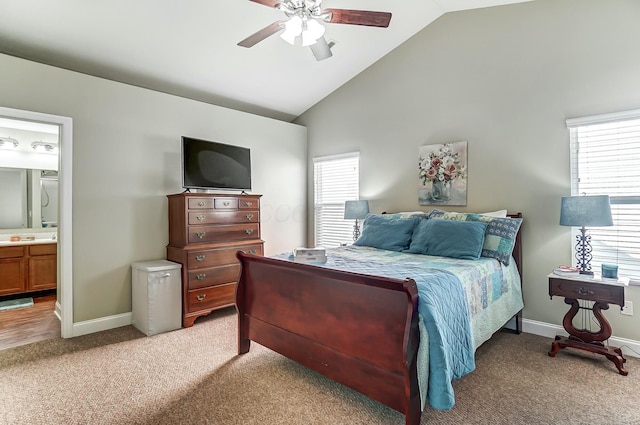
pixel 356 231
pixel 583 252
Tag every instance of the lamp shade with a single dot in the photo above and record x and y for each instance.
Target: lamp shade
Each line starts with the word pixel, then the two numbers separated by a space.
pixel 356 210
pixel 586 211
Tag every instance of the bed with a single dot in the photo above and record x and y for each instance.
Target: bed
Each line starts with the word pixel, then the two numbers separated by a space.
pixel 394 322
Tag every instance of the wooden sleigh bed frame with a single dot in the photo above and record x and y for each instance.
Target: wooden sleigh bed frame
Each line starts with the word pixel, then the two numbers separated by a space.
pixel 359 330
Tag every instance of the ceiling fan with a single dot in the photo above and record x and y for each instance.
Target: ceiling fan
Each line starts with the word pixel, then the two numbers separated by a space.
pixel 304 19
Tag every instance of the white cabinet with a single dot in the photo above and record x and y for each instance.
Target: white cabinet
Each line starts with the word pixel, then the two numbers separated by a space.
pixel 156 292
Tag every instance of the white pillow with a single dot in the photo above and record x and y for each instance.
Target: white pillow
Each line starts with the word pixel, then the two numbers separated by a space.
pixel 499 213
pixel 410 213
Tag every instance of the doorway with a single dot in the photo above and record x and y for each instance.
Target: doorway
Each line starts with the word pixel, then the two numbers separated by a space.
pixel 64 126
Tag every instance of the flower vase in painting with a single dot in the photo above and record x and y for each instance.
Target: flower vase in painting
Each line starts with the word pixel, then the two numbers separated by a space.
pixel 442 174
pixel 441 190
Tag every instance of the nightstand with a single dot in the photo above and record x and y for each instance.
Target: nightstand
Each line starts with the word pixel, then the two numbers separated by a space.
pixel 601 293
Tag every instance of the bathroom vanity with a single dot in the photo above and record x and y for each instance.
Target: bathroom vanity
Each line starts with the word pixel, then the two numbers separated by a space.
pixel 28 266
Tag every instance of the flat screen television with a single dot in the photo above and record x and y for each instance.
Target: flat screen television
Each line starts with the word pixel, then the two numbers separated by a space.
pixel 213 165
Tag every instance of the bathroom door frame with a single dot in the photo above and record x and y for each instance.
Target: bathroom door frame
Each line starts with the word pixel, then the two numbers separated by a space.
pixel 64 301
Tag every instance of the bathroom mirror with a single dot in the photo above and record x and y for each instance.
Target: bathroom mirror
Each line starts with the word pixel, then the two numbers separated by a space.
pixel 28 198
pixel 28 175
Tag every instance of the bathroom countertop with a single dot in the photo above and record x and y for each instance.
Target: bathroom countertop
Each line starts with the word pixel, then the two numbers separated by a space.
pixel 34 242
pixel 40 238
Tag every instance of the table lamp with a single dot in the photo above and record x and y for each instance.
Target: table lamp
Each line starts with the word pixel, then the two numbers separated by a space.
pixel 356 210
pixel 583 212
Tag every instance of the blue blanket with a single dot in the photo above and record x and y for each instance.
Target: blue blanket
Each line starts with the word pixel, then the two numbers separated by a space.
pixel 443 308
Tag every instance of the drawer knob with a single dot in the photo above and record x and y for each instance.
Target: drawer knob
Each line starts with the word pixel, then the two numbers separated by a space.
pixel 166 275
pixel 200 234
pixel 200 217
pixel 249 231
pixel 248 203
pixel 201 276
pixel 201 203
pixel 201 297
pixel 199 257
pixel 249 216
pixel 252 251
pixel 583 291
pixel 226 203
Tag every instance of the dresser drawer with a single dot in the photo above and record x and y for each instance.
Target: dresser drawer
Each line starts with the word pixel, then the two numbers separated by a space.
pixel 219 256
pixel 223 217
pixel 248 204
pixel 213 276
pixel 200 203
pixel 211 298
pixel 590 291
pixel 225 203
pixel 231 232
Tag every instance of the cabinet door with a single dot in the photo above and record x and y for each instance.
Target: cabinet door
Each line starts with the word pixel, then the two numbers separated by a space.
pixel 12 275
pixel 13 270
pixel 42 272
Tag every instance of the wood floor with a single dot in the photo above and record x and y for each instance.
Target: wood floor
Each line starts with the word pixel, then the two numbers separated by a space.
pixel 25 325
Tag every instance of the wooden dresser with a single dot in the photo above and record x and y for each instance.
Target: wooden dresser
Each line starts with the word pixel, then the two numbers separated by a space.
pixel 205 232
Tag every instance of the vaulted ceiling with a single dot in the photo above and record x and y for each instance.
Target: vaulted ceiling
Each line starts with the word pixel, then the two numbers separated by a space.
pixel 189 47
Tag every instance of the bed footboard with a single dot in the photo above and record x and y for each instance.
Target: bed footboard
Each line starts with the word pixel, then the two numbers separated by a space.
pixel 359 330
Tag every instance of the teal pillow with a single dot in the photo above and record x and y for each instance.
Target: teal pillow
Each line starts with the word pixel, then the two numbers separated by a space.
pixel 419 238
pixel 448 238
pixel 500 236
pixel 392 234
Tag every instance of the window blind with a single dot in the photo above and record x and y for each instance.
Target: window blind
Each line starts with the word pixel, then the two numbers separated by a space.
pixel 605 159
pixel 336 179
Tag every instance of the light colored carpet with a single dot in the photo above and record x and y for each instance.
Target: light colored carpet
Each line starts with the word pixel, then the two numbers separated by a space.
pixel 193 376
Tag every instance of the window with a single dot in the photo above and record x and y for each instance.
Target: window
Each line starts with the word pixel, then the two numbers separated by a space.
pixel 605 159
pixel 335 180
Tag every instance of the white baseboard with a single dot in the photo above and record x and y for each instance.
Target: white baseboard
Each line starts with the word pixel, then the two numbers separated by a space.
pixel 58 311
pixel 102 324
pixel 629 347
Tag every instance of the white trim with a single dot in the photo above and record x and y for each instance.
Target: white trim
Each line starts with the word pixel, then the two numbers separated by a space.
pixel 550 331
pixel 337 156
pixel 102 324
pixel 529 326
pixel 65 228
pixel 603 118
pixel 58 311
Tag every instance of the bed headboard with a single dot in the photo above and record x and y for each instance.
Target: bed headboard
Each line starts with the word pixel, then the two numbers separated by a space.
pixel 517 249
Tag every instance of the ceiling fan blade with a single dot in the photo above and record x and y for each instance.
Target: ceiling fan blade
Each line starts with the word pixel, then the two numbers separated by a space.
pixel 270 3
pixel 321 49
pixel 265 32
pixel 359 17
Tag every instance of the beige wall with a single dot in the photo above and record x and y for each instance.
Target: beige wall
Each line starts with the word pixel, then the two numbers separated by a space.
pixel 504 79
pixel 126 159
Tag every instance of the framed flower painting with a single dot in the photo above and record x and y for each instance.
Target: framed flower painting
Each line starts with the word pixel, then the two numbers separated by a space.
pixel 442 174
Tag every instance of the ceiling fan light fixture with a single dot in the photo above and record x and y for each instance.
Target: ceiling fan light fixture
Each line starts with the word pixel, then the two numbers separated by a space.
pixel 292 29
pixel 306 19
pixel 312 33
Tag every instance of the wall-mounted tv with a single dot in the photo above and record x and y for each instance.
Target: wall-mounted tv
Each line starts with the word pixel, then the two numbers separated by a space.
pixel 213 165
